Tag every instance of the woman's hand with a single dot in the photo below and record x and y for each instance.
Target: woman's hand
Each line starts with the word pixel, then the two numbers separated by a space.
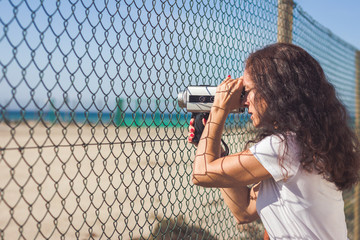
pixel 191 133
pixel 192 130
pixel 228 94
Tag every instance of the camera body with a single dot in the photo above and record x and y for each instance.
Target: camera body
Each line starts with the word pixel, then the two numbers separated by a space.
pixel 199 99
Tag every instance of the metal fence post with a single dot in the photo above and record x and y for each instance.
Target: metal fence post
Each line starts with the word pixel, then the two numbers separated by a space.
pixel 285 20
pixel 357 126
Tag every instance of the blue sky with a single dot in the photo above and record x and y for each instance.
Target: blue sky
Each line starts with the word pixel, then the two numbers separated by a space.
pixel 66 58
pixel 341 17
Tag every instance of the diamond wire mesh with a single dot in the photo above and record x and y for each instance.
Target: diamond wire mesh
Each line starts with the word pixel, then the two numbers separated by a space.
pixel 339 63
pixel 93 144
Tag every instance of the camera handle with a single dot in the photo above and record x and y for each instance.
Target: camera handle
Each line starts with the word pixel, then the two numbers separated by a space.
pixel 199 128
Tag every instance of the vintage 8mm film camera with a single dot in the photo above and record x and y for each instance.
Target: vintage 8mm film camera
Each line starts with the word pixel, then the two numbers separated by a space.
pixel 199 99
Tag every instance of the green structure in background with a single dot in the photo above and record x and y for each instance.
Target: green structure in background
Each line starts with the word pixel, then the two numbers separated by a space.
pixel 157 119
pixel 52 113
pixel 138 118
pixel 119 119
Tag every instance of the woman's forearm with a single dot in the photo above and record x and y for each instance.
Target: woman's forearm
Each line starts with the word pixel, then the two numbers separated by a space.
pixel 209 147
pixel 241 201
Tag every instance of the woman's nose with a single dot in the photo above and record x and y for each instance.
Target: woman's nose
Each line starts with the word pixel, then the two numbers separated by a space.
pixel 246 103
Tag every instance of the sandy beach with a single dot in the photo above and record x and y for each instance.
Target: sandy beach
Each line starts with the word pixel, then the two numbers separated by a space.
pixel 102 182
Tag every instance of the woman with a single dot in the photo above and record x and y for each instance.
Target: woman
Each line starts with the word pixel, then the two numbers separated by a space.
pixel 304 153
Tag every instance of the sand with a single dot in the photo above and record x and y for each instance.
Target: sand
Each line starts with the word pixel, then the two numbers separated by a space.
pixel 79 182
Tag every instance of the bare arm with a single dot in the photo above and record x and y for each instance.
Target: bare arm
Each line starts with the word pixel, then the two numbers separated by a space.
pixel 231 173
pixel 211 170
pixel 242 202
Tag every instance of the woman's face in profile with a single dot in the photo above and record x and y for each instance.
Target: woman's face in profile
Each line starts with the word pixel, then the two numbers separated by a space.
pixel 255 109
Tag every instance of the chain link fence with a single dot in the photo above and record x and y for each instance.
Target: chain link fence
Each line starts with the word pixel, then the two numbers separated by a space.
pixel 338 60
pixel 93 144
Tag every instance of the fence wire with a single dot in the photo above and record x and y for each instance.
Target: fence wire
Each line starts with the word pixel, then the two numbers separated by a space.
pixel 338 60
pixel 93 144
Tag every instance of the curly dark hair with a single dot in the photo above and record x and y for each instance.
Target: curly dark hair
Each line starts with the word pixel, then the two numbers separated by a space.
pixel 300 100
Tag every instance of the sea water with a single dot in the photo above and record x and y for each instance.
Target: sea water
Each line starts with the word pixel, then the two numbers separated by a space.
pixel 127 119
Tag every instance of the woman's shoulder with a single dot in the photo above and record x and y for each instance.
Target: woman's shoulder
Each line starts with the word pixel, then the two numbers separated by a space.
pixel 279 154
pixel 287 138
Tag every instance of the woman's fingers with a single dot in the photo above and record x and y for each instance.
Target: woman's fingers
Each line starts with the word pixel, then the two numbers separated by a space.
pixel 231 85
pixel 228 93
pixel 204 121
pixel 240 82
pixel 225 81
pixel 191 133
pixel 191 128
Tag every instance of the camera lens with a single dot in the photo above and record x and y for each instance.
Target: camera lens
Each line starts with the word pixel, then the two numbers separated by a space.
pixel 182 99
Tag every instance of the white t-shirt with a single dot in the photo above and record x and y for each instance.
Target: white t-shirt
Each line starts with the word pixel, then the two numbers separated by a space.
pixel 305 206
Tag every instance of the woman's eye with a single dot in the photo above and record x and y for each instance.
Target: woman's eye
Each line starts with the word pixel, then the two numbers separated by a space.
pixel 243 93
